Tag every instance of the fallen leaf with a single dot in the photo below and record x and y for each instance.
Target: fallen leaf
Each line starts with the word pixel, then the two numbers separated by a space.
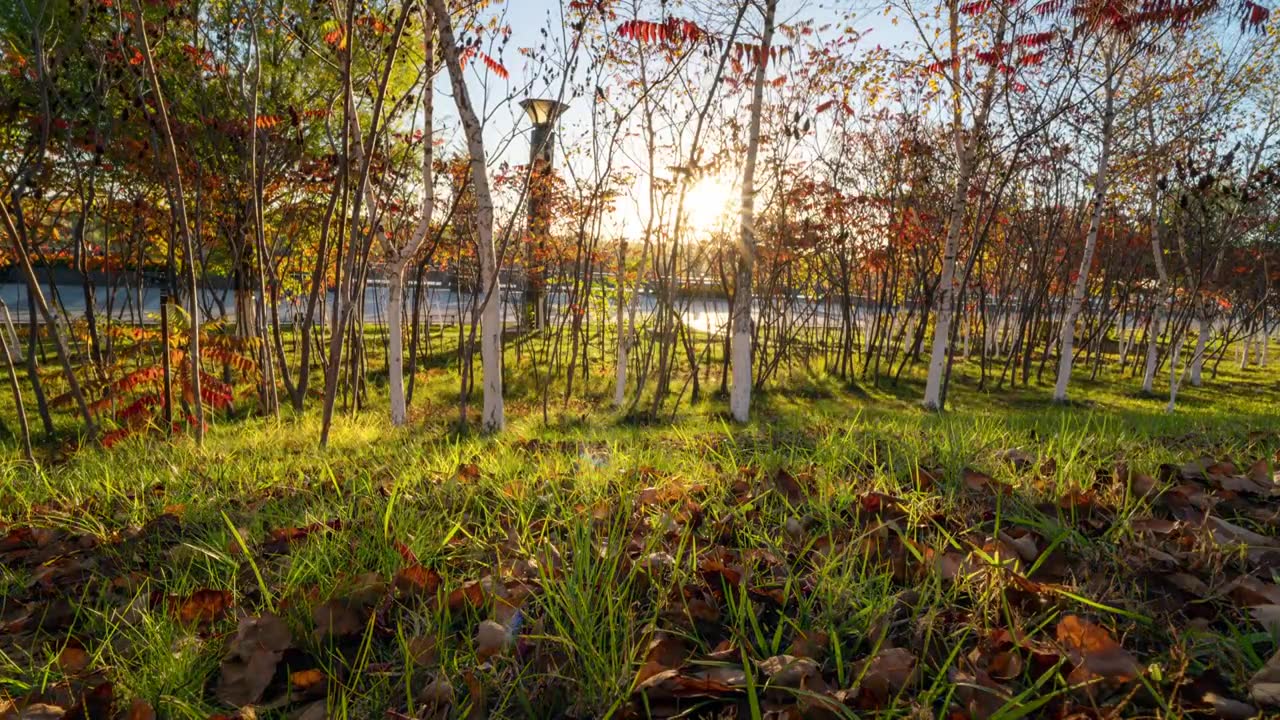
pixel 337 617
pixel 305 681
pixel 979 482
pixel 140 709
pixel 202 607
pixel 883 677
pixel 1268 616
pixel 665 652
pixel 249 665
pixel 1005 665
pixel 437 694
pixel 42 711
pixel 795 488
pixel 422 650
pixel 809 644
pixel 417 580
pixel 1264 686
pixel 476 696
pixel 94 704
pixel 491 639
pixel 471 594
pixel 317 710
pixel 1093 649
pixel 1249 591
pixel 1225 708
pixel 787 671
pixel 73 660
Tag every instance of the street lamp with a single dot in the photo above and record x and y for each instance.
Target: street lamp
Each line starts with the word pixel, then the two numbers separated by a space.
pixel 543 113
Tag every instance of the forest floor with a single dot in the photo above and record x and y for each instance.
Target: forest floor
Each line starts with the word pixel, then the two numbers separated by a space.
pixel 845 554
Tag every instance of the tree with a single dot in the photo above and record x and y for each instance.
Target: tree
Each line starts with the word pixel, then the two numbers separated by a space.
pixel 740 398
pixel 492 417
pixel 399 256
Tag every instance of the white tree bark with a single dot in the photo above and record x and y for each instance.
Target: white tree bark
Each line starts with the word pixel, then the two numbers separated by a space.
pixel 1067 336
pixel 400 257
pixel 395 345
pixel 1149 369
pixel 740 340
pixel 946 293
pixel 1173 373
pixel 492 416
pixel 1197 360
pixel 620 367
pixel 945 299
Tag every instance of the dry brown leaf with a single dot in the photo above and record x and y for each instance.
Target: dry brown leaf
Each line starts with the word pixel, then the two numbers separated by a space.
pixel 471 594
pixel 437 692
pixel 42 711
pixel 1249 591
pixel 491 639
pixel 422 651
pixel 665 652
pixel 417 580
pixel 1092 648
pixel 306 681
pixel 73 660
pixel 337 618
pixel 317 710
pixel 140 709
pixel 884 677
pixel 203 607
pixel 788 671
pixel 252 656
pixel 809 644
pixel 1268 616
pixel 1005 665
pixel 1264 686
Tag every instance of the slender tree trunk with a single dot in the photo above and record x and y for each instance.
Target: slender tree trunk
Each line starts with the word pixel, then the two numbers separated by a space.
pixel 740 344
pixel 23 427
pixel 180 219
pixel 59 343
pixel 493 417
pixel 944 298
pixel 1202 338
pixel 404 255
pixel 395 343
pixel 1067 335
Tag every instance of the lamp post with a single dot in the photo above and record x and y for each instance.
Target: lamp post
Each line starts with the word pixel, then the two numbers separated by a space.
pixel 543 114
pixel 164 360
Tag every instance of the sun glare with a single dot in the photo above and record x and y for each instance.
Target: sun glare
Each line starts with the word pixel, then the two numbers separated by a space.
pixel 709 205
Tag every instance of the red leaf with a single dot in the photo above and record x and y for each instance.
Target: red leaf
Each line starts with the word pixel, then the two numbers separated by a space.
pixel 494 66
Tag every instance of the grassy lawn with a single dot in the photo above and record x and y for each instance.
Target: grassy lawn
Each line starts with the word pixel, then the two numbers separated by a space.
pixel 844 555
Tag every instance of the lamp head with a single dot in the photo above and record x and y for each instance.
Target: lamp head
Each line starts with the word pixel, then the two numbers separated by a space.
pixel 542 111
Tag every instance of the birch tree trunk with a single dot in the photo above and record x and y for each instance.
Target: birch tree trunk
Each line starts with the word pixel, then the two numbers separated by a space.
pixel 945 296
pixel 1067 336
pixel 740 341
pixel 401 257
pixel 492 418
pixel 395 345
pixel 624 338
pixel 1202 337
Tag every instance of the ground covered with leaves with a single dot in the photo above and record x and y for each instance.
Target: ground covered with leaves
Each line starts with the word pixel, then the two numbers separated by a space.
pixel 830 560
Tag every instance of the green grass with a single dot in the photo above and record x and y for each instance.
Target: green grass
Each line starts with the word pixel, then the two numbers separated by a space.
pixel 561 521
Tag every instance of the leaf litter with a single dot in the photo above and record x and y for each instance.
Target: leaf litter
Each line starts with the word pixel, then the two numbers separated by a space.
pixel 1086 603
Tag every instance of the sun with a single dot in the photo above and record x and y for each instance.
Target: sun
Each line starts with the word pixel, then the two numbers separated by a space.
pixel 709 205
